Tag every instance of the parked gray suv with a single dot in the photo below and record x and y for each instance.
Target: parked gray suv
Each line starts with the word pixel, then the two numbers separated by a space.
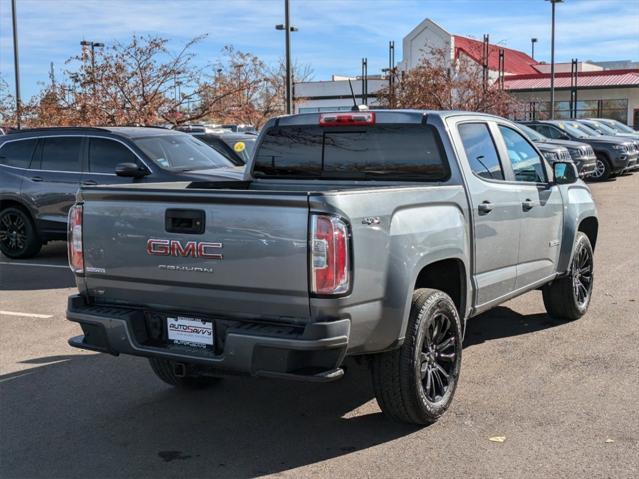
pixel 370 234
pixel 42 169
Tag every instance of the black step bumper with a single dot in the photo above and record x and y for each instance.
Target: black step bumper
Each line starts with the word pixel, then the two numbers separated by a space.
pixel 313 352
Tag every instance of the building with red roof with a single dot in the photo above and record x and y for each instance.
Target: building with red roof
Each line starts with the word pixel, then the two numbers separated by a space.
pixel 515 62
pixel 601 92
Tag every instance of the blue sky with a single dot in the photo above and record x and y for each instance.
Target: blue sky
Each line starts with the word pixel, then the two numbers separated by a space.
pixel 334 34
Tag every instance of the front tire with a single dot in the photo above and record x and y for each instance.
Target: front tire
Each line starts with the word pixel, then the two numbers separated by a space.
pixel 416 383
pixel 164 369
pixel 603 170
pixel 568 298
pixel 19 238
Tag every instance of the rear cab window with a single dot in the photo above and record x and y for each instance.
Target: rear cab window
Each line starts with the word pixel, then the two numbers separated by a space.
pixel 381 151
pixel 18 153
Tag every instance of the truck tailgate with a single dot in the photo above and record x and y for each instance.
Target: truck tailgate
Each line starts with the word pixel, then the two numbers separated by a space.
pixel 249 259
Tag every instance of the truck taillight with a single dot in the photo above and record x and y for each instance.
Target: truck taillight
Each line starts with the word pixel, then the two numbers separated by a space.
pixel 74 239
pixel 329 258
pixel 347 119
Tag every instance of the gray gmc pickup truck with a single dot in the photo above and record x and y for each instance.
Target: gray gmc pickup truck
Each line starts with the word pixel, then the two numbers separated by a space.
pixel 368 233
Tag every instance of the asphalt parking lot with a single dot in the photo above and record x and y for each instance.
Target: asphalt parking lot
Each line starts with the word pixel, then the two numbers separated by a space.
pixel 564 395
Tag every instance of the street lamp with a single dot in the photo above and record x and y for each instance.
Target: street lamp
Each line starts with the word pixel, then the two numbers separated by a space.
pixel 16 63
pixel 93 46
pixel 288 28
pixel 552 60
pixel 532 42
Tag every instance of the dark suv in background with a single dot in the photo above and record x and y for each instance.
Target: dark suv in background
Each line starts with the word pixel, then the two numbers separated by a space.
pixel 614 154
pixel 581 154
pixel 41 170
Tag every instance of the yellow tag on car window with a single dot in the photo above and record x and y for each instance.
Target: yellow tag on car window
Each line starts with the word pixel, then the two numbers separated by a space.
pixel 239 146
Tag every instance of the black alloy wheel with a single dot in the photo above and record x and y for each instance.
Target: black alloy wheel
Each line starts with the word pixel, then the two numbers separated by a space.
pixel 18 236
pixel 582 275
pixel 437 358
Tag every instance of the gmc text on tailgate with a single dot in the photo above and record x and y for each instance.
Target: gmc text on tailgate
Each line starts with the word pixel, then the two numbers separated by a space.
pixel 367 233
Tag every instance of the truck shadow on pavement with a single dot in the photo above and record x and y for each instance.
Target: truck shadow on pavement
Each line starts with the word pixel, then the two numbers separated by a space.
pixel 503 322
pixel 100 416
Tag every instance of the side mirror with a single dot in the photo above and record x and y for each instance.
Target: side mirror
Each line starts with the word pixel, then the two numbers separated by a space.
pixel 564 136
pixel 564 172
pixel 130 170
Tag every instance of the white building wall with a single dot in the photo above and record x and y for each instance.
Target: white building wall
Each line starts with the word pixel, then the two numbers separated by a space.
pixel 567 67
pixel 422 40
pixel 330 95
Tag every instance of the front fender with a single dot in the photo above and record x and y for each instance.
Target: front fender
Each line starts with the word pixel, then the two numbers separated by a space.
pixel 578 205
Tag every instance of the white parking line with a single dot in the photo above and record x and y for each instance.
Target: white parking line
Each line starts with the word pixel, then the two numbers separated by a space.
pixel 26 315
pixel 15 377
pixel 41 265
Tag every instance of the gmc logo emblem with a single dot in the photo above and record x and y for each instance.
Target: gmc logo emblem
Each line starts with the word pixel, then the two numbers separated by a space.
pixel 194 249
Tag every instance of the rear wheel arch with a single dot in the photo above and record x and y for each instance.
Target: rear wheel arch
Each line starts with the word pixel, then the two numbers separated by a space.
pixel 4 204
pixel 448 276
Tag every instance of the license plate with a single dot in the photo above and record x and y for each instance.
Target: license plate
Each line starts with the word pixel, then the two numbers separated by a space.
pixel 192 332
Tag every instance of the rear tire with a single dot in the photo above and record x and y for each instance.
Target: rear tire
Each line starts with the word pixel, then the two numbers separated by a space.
pixel 568 298
pixel 164 369
pixel 603 170
pixel 416 383
pixel 19 238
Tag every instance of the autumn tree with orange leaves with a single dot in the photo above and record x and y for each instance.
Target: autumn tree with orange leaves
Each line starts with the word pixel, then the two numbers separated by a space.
pixel 437 83
pixel 143 83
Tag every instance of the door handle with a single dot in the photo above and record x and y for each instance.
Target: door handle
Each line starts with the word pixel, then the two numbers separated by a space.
pixel 37 178
pixel 485 207
pixel 89 183
pixel 528 204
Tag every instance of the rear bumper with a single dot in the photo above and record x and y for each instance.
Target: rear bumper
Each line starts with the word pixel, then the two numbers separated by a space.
pixel 313 352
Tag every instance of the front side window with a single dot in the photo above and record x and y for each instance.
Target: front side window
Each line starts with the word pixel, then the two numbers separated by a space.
pixel 105 155
pixel 382 151
pixel 527 164
pixel 61 153
pixel 481 151
pixel 181 153
pixel 17 153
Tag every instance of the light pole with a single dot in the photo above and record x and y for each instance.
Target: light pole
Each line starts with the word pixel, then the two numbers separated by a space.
pixel 93 46
pixel 16 63
pixel 288 28
pixel 552 60
pixel 532 42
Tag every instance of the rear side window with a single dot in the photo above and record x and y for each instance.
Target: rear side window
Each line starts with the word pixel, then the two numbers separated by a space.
pixel 61 154
pixel 398 151
pixel 105 155
pixel 481 151
pixel 18 153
